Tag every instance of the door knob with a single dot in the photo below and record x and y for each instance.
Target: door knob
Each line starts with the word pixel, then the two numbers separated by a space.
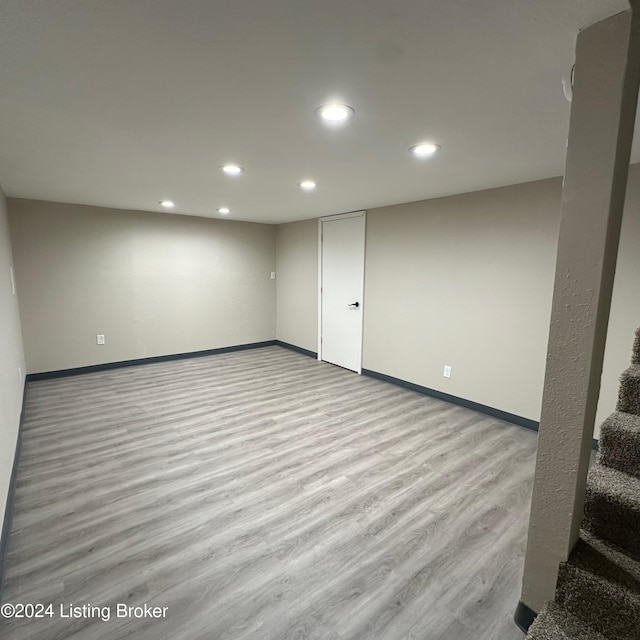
pixel 354 304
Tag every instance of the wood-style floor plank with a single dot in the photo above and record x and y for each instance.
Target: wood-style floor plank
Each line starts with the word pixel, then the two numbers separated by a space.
pixel 262 495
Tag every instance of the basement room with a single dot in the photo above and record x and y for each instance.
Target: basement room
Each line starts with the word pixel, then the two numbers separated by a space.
pixel 319 320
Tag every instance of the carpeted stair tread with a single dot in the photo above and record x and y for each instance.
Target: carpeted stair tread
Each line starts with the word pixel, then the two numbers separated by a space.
pixel 620 443
pixel 601 585
pixel 629 393
pixel 555 623
pixel 607 560
pixel 635 358
pixel 612 508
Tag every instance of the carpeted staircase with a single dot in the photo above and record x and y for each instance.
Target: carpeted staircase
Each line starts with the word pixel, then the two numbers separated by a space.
pixel 598 590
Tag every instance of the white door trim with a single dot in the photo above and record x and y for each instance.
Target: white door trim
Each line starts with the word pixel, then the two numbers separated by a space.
pixel 352 214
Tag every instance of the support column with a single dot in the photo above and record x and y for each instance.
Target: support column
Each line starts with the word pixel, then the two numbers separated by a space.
pixel 605 95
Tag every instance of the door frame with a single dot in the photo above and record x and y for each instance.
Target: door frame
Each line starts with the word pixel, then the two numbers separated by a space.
pixel 352 214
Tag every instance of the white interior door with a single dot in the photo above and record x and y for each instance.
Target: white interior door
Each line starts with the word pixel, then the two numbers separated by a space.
pixel 342 240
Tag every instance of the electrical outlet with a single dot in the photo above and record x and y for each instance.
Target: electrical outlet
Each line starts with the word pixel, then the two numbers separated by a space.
pixel 273 275
pixel 99 339
pixel 447 371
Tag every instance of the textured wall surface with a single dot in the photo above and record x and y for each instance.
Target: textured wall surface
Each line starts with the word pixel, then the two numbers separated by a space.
pixel 625 305
pixel 603 110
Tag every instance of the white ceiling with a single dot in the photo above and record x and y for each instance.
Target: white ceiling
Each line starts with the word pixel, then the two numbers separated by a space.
pixel 122 103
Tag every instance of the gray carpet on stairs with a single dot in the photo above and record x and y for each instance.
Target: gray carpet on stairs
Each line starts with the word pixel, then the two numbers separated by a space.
pixel 629 394
pixel 620 443
pixel 555 623
pixel 612 508
pixel 598 588
pixel 601 586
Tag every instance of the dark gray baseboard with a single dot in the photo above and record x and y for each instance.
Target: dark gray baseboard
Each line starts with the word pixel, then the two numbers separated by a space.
pixel 524 616
pixel 297 349
pixel 11 497
pixel 64 373
pixel 468 404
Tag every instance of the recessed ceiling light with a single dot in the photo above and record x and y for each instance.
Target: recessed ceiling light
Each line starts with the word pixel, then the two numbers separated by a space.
pixel 167 204
pixel 307 185
pixel 232 169
pixel 424 149
pixel 335 113
pixel 225 211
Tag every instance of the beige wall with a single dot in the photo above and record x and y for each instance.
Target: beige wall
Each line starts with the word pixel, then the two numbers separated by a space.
pixel 11 361
pixel 465 281
pixel 153 284
pixel 297 283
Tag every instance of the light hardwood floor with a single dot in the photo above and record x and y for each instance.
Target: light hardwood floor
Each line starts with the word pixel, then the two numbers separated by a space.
pixel 261 495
